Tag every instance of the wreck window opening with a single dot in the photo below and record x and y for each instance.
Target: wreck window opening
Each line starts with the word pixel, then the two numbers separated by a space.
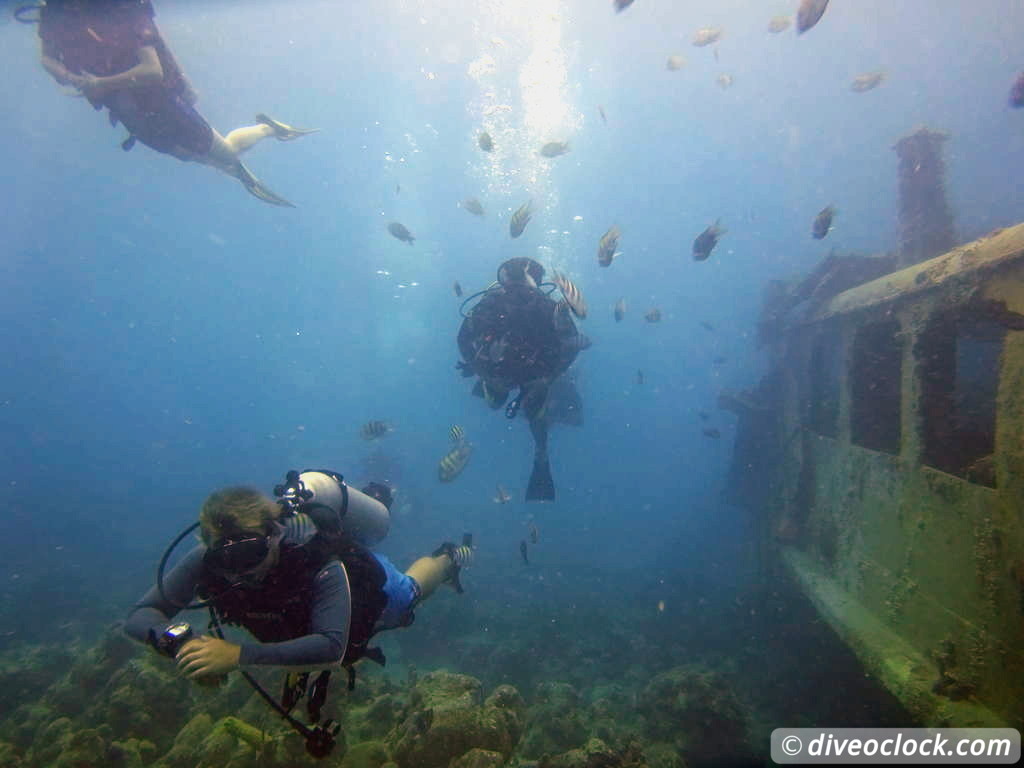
pixel 825 377
pixel 959 383
pixel 876 387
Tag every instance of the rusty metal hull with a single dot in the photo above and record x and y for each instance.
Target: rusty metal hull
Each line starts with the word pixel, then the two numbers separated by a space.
pixel 899 501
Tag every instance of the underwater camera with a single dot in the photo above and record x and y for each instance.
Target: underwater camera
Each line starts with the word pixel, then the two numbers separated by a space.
pixel 170 641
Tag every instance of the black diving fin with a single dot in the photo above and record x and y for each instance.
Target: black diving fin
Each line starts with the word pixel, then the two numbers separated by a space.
pixel 542 486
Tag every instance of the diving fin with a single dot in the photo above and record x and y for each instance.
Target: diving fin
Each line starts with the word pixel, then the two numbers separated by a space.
pixel 256 188
pixel 542 486
pixel 283 131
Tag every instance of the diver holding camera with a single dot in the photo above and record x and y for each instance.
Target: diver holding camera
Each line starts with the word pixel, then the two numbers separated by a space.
pixel 298 574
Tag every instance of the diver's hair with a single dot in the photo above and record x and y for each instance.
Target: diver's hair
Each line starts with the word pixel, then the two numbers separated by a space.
pixel 236 512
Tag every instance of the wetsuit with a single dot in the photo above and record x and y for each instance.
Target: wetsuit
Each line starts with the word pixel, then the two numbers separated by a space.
pixel 518 337
pixel 308 617
pixel 103 38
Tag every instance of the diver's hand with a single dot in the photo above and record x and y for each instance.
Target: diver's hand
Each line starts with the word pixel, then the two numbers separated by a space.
pixel 207 657
pixel 88 84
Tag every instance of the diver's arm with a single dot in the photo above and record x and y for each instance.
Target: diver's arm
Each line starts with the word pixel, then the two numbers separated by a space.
pixel 329 623
pixel 57 70
pixel 153 612
pixel 147 72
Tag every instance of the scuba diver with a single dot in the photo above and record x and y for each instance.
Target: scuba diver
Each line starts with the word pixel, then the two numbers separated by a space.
pixel 296 572
pixel 112 52
pixel 518 337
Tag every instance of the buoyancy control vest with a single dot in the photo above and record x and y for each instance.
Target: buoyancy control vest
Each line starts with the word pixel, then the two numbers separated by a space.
pixel 279 607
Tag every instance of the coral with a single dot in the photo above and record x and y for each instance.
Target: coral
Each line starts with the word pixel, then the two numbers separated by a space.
pixel 661 755
pixel 366 754
pixel 9 757
pixel 83 749
pixel 555 722
pixel 446 719
pixel 694 709
pixel 596 754
pixel 479 758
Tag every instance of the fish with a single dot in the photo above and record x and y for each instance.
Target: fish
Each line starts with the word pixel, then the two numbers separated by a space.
pixel 398 189
pixel 472 205
pixel 779 24
pixel 502 496
pixel 706 36
pixel 522 552
pixel 707 326
pixel 374 429
pixel 400 232
pixel 520 219
pixel 711 432
pixel 706 241
pixel 674 63
pixel 453 462
pixel 620 310
pixel 653 316
pixel 604 117
pixel 1017 92
pixel 485 141
pixel 809 14
pixel 554 148
pixel 725 80
pixel 621 5
pixel 456 434
pixel 457 289
pixel 639 377
pixel 607 245
pixel 534 534
pixel 704 415
pixel 822 223
pixel 867 81
pixel 571 294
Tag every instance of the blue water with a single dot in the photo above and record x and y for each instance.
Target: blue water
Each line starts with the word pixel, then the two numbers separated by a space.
pixel 165 334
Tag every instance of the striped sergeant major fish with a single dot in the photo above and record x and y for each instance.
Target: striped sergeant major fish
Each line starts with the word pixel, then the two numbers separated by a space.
pixel 453 462
pixel 457 433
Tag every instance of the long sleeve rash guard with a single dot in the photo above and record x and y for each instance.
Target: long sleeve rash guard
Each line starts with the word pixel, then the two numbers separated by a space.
pixel 329 617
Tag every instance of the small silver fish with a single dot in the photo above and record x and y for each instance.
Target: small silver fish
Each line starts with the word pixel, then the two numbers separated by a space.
pixel 554 148
pixel 400 232
pixel 620 310
pixel 502 496
pixel 867 81
pixel 520 219
pixel 653 316
pixel 706 36
pixel 374 429
pixel 724 80
pixel 675 63
pixel 607 245
pixel 809 14
pixel 823 222
pixel 472 205
pixel 706 241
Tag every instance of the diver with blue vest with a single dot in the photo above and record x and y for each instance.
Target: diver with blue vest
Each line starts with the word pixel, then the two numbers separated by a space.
pixel 112 53
pixel 298 574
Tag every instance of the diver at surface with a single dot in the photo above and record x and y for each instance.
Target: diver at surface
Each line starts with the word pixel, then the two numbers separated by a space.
pixel 113 53
pixel 518 338
pixel 297 573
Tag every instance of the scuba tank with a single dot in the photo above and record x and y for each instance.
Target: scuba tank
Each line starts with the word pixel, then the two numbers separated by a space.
pixel 335 508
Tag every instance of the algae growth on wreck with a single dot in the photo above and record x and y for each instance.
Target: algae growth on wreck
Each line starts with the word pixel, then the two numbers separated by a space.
pixel 793 501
